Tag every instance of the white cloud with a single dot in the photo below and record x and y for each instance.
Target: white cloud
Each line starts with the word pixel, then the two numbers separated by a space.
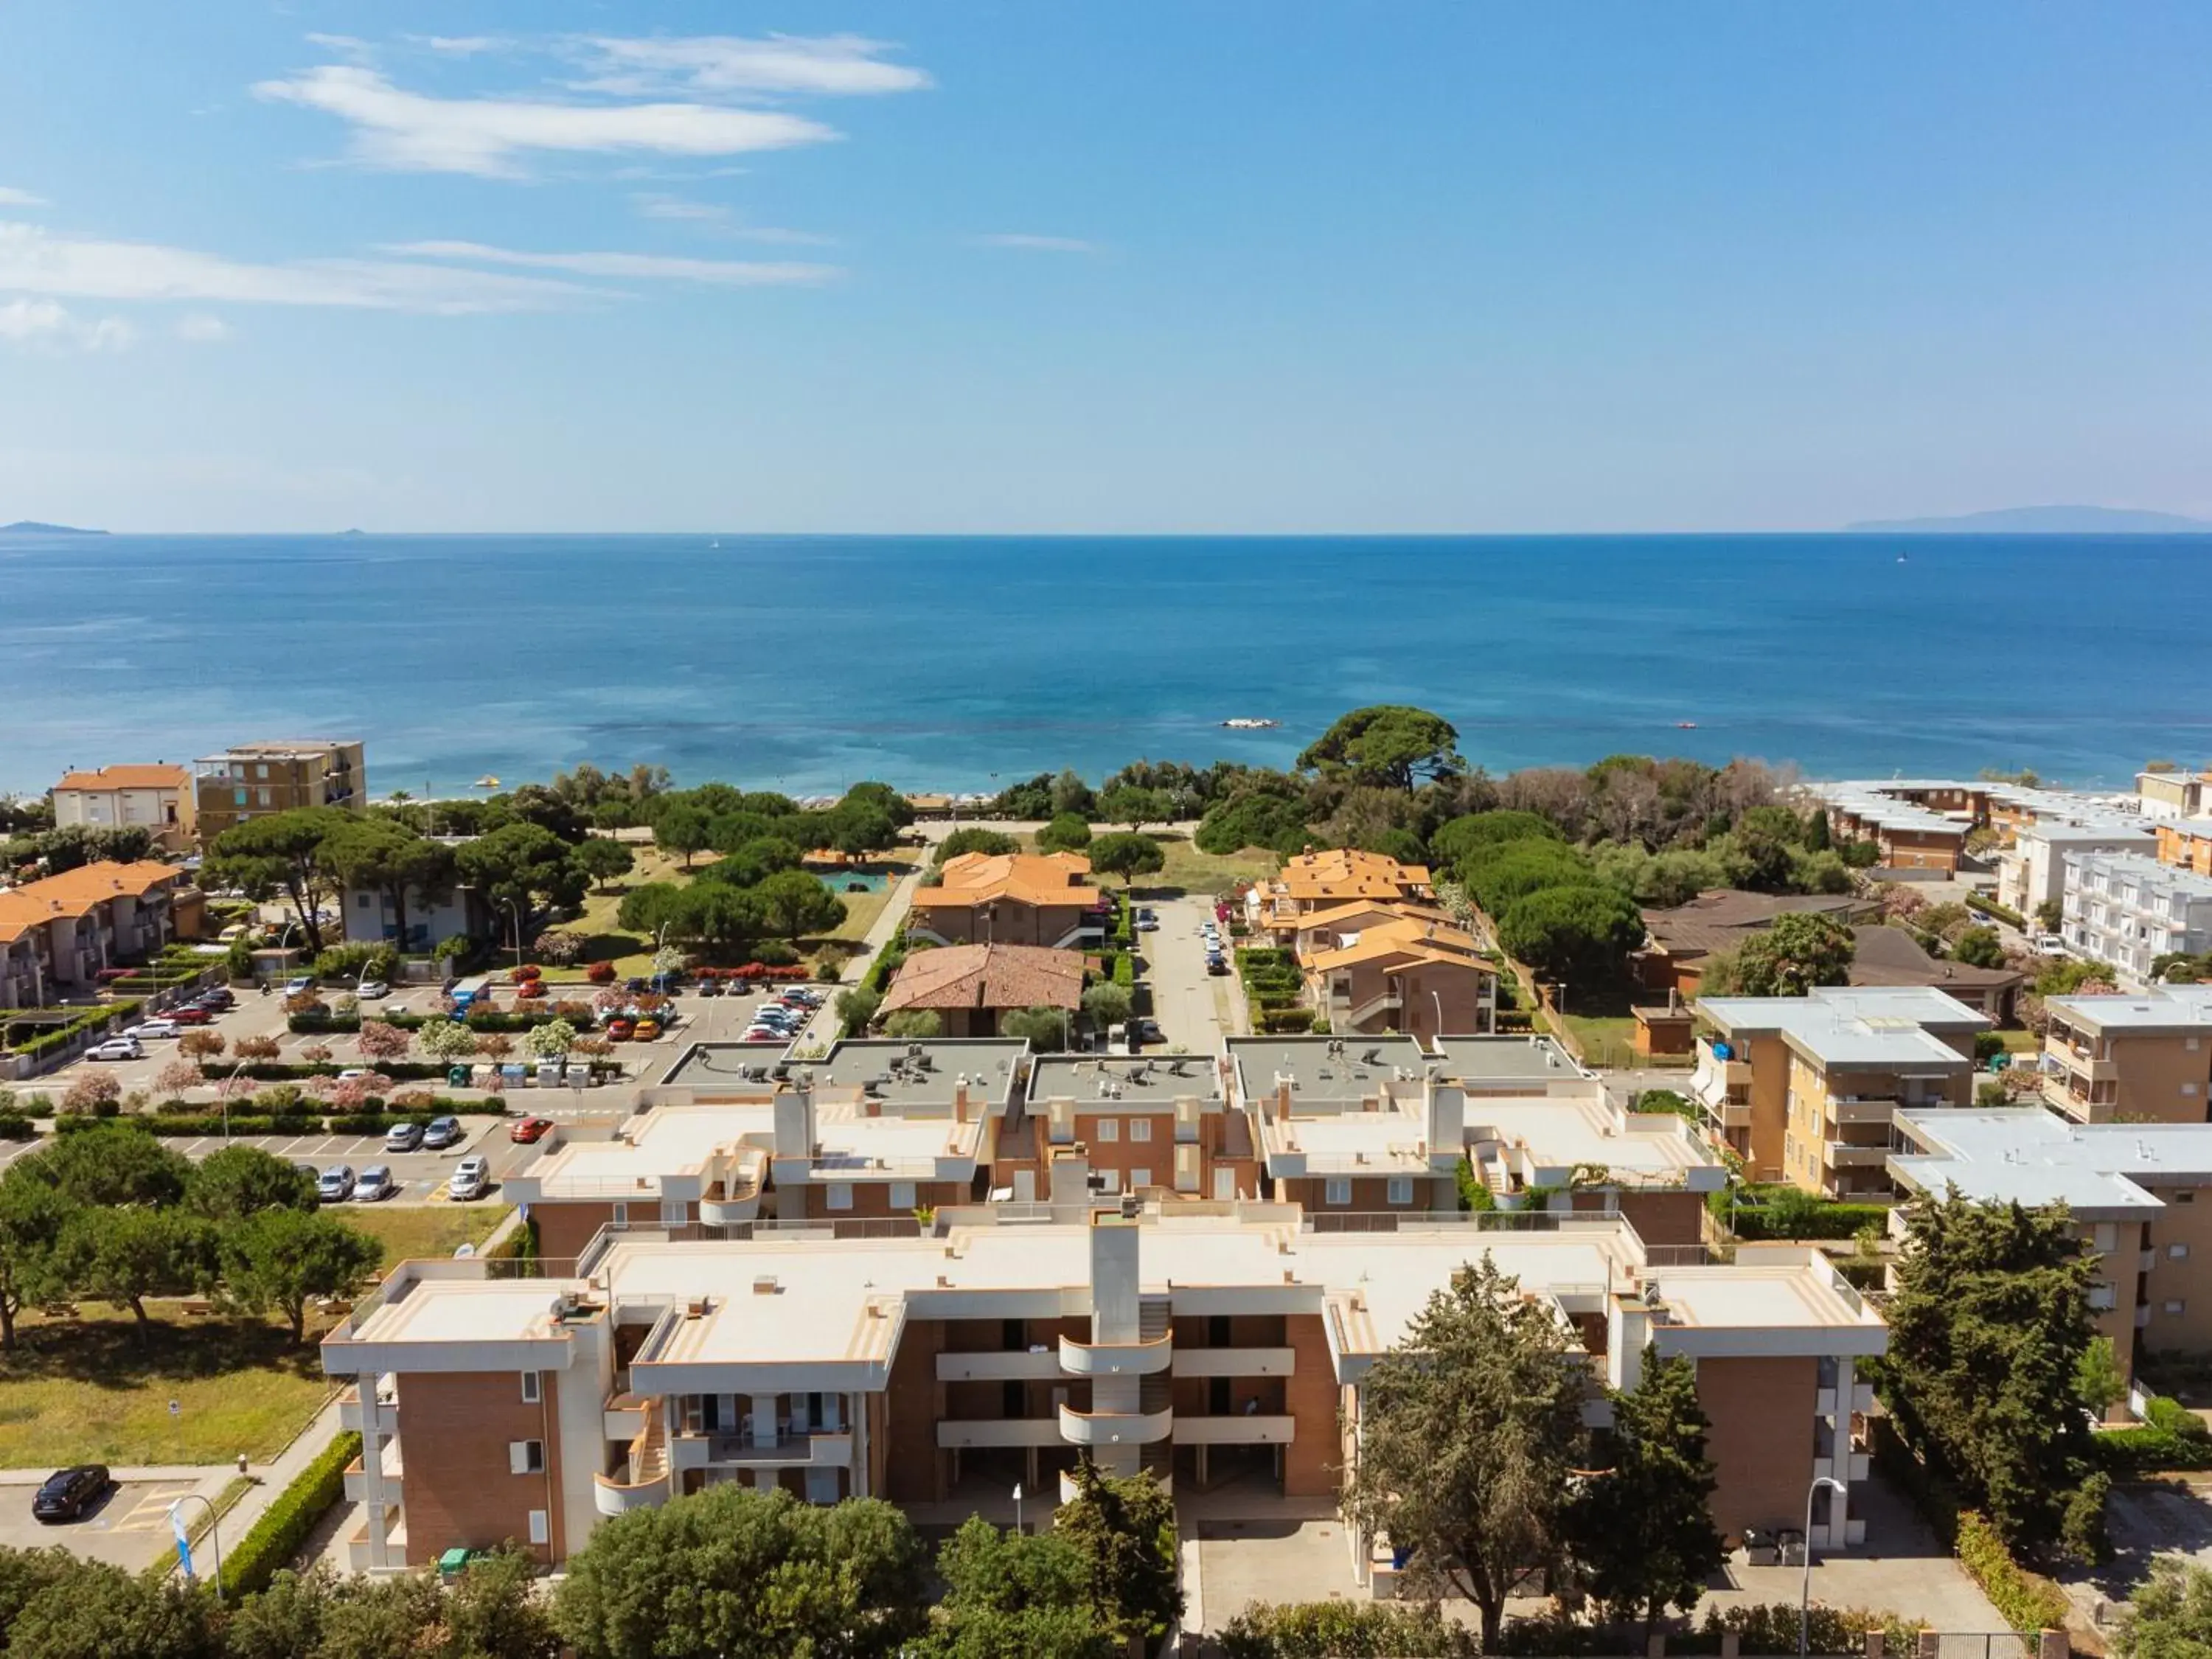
pixel 410 131
pixel 726 272
pixel 835 65
pixel 461 45
pixel 200 329
pixel 725 222
pixel 44 323
pixel 348 46
pixel 1035 244
pixel 34 261
pixel 12 198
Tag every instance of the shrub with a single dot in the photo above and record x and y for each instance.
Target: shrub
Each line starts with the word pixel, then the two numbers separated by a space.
pixel 272 1542
pixel 2027 1600
pixel 600 973
pixel 90 1093
pixel 1346 1630
pixel 15 1125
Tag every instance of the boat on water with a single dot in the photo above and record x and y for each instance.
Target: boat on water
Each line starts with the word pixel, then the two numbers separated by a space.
pixel 1685 725
pixel 1245 723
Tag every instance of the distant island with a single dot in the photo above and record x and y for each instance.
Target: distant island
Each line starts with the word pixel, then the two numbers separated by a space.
pixel 33 527
pixel 2042 521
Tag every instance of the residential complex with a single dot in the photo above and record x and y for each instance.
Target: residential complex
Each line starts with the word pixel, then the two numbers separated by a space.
pixel 1014 898
pixel 1310 882
pixel 2187 844
pixel 57 934
pixel 251 780
pixel 1888 957
pixel 1908 833
pixel 1161 1127
pixel 1207 1344
pixel 2171 794
pixel 158 798
pixel 2031 872
pixel 969 986
pixel 2127 910
pixel 2144 1058
pixel 2139 1193
pixel 1681 938
pixel 1803 1088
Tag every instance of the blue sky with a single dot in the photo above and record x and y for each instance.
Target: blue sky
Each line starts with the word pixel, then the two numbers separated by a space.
pixel 1253 265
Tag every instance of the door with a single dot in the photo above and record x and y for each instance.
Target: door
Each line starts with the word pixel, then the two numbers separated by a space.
pixel 1224 1183
pixel 1025 1186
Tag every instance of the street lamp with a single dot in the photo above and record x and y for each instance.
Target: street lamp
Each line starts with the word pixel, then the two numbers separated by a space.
pixel 1805 1595
pixel 183 1538
pixel 515 910
pixel 1018 1506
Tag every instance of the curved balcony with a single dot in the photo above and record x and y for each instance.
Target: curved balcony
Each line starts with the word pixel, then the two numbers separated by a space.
pixel 1142 1359
pixel 1114 1428
pixel 644 1482
pixel 612 1495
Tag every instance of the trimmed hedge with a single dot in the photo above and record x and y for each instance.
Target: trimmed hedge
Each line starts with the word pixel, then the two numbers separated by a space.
pixel 85 1020
pixel 17 1126
pixel 280 1071
pixel 1991 908
pixel 1339 1629
pixel 2025 1600
pixel 2174 1438
pixel 272 1542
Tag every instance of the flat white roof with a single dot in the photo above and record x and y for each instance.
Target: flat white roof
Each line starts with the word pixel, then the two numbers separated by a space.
pixel 667 1140
pixel 2031 1157
pixel 1352 1143
pixel 1570 1130
pixel 1856 1025
pixel 465 1310
pixel 2162 1007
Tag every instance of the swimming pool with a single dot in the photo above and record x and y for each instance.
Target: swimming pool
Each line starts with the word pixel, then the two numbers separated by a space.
pixel 847 881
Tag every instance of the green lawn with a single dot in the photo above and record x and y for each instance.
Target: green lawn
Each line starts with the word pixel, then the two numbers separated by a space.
pixel 861 909
pixel 2020 1042
pixel 85 1389
pixel 416 1232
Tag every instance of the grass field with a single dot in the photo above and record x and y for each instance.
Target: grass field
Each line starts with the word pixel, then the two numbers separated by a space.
pixel 861 909
pixel 85 1389
pixel 414 1231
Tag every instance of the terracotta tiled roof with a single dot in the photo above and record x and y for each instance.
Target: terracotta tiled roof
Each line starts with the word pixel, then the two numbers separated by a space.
pixel 1720 920
pixel 1346 873
pixel 128 777
pixel 77 892
pixel 987 977
pixel 1381 909
pixel 1025 878
pixel 1408 938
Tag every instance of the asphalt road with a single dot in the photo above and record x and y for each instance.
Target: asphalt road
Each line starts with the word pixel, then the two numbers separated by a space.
pixel 1193 1006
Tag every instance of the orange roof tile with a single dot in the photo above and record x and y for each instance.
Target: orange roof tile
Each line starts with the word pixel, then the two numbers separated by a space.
pixel 157 776
pixel 77 892
pixel 975 879
pixel 987 977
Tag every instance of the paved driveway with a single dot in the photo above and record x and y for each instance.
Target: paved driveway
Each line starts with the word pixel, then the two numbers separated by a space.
pixel 130 1528
pixel 1193 1006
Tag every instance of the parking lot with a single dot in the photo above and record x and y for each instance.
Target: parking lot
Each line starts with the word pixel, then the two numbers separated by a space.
pixel 129 1528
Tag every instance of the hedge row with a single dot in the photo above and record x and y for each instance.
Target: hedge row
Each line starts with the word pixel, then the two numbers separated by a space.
pixel 2025 1599
pixel 313 1024
pixel 2174 1438
pixel 1989 907
pixel 272 1542
pixel 87 1019
pixel 278 1071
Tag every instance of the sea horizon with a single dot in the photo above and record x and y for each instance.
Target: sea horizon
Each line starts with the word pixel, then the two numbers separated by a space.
pixel 957 662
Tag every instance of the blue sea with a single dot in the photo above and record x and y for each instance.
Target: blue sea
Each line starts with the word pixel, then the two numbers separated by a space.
pixel 807 663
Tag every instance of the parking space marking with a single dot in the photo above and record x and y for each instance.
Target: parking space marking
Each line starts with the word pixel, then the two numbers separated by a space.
pixel 151 1512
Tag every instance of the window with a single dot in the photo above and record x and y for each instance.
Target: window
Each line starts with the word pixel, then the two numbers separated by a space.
pixel 360 901
pixel 531 1390
pixel 1140 1178
pixel 1140 1128
pixel 2176 1253
pixel 902 1194
pixel 1400 1189
pixel 2181 1197
pixel 840 1195
pixel 526 1456
pixel 1109 1128
pixel 619 1215
pixel 1337 1189
pixel 2176 1306
pixel 539 1529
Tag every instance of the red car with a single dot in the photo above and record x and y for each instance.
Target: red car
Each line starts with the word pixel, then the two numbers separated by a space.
pixel 529 1129
pixel 620 1031
pixel 189 1015
pixel 531 987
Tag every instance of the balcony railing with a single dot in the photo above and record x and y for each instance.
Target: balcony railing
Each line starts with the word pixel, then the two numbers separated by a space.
pixel 1114 1428
pixel 1234 1362
pixel 998 1365
pixel 1000 1431
pixel 1140 1359
pixel 1236 1429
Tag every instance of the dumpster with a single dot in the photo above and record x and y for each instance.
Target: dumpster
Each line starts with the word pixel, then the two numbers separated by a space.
pixel 454 1561
pixel 458 1076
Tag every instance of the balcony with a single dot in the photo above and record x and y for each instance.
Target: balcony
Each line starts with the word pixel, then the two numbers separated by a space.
pixel 1002 1432
pixel 996 1365
pixel 1731 1114
pixel 1861 1108
pixel 1114 1428
pixel 1824 1401
pixel 1234 1362
pixel 1850 1155
pixel 824 1450
pixel 356 1475
pixel 351 1414
pixel 643 1480
pixel 1235 1429
pixel 1141 1359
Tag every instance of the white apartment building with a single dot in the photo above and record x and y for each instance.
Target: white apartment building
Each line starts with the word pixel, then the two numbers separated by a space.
pixel 2031 872
pixel 2126 910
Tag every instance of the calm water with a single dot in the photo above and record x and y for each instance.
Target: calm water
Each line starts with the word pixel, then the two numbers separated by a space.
pixel 807 663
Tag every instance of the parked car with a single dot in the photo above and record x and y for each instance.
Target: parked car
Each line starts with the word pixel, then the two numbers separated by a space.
pixel 193 1014
pixel 708 987
pixel 216 996
pixel 146 1029
pixel 471 1179
pixel 122 1048
pixel 336 1184
pixel 352 1074
pixel 371 989
pixel 528 1130
pixel 764 1034
pixel 621 1030
pixel 2049 944
pixel 68 1493
pixel 403 1136
pixel 443 1132
pixel 375 1182
pixel 299 985
pixel 1217 964
pixel 647 1029
pixel 1142 1030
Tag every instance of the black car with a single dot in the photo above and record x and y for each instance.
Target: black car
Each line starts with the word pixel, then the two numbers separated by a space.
pixel 69 1493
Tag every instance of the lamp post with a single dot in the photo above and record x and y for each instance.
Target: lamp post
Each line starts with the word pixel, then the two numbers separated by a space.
pixel 515 911
pixel 184 1542
pixel 1805 1594
pixel 1018 1506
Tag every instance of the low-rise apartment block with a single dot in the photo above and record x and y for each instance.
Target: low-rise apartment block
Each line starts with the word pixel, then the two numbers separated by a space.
pixel 252 780
pixel 1409 974
pixel 2126 910
pixel 968 987
pixel 1312 882
pixel 156 798
pixel 57 934
pixel 1679 940
pixel 1160 1126
pixel 995 1349
pixel 1909 836
pixel 2187 844
pixel 2144 1057
pixel 1012 898
pixel 2031 872
pixel 2139 1193
pixel 2172 793
pixel 1803 1088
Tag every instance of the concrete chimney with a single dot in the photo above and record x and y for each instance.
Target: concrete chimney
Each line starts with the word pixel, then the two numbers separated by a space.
pixel 1282 1097
pixel 960 1099
pixel 1445 1116
pixel 794 1122
pixel 1070 1182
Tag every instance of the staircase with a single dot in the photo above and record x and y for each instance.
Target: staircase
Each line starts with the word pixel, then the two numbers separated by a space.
pixel 1153 1322
pixel 648 1453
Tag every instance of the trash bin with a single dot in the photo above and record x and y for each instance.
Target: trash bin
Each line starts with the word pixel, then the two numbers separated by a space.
pixel 458 1076
pixel 454 1561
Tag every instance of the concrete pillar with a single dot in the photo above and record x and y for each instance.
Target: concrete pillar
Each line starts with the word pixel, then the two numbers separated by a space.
pixel 1874 1640
pixel 2052 1644
pixel 1731 1645
pixel 375 1503
pixel 1655 1646
pixel 763 1415
pixel 1929 1645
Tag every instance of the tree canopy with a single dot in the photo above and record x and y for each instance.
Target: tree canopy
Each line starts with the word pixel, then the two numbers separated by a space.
pixel 1390 743
pixel 1128 856
pixel 1800 951
pixel 1580 934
